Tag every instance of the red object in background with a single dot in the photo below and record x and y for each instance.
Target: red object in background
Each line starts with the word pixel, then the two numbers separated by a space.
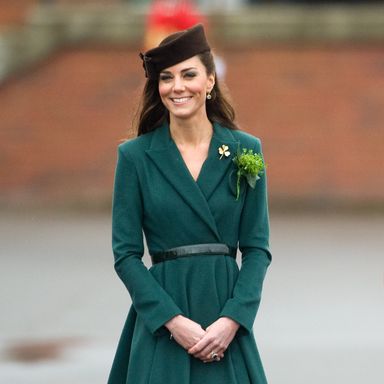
pixel 167 16
pixel 177 14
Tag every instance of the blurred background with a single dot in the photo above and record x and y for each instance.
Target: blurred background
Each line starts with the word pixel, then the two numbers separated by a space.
pixel 307 77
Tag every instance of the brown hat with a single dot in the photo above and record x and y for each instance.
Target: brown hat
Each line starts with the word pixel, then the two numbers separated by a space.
pixel 173 49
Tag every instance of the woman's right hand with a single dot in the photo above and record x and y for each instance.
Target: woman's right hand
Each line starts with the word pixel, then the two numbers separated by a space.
pixel 185 331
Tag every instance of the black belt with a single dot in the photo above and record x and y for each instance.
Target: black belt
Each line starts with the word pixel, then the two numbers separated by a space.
pixel 194 249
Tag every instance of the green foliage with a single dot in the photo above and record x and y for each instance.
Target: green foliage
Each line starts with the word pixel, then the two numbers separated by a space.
pixel 249 165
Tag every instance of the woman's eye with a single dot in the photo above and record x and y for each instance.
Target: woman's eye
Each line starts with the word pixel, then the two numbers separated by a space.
pixel 190 74
pixel 165 77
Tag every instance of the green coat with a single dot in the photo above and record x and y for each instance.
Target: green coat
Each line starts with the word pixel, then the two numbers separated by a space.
pixel 155 193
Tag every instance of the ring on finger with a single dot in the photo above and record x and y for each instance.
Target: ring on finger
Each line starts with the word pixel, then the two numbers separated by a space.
pixel 214 356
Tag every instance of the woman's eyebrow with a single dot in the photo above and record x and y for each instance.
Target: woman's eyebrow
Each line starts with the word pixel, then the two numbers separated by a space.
pixel 188 69
pixel 183 70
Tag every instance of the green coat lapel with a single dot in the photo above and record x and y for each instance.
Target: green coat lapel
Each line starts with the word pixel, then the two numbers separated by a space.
pixel 214 168
pixel 165 155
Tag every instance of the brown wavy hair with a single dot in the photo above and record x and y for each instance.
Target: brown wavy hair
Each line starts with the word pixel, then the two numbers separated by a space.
pixel 152 113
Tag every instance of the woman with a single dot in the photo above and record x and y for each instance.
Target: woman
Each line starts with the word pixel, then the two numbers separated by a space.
pixel 192 312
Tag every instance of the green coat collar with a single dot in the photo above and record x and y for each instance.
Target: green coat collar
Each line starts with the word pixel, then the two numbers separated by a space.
pixel 167 158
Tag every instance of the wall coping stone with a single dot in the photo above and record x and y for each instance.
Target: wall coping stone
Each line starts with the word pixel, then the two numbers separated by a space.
pixel 50 27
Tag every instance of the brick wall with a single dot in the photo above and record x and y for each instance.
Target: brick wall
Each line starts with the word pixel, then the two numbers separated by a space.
pixel 318 109
pixel 14 12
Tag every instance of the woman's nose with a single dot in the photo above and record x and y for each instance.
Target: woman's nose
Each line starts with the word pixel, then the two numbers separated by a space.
pixel 178 84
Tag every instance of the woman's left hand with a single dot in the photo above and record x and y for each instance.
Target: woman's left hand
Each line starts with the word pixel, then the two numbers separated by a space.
pixel 216 340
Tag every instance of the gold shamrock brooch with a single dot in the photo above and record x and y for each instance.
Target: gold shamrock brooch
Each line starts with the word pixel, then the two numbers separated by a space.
pixel 224 151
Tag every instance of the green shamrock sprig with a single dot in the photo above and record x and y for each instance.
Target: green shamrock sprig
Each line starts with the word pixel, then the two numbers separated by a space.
pixel 250 165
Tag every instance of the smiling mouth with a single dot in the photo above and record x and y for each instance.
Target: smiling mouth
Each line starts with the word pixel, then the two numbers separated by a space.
pixel 180 100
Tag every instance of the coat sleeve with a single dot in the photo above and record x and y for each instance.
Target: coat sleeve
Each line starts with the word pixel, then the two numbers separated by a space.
pixel 150 300
pixel 256 257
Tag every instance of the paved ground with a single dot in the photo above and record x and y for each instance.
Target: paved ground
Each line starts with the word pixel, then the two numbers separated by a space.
pixel 321 319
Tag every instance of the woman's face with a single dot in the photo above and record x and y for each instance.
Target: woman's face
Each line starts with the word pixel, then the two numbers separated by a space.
pixel 183 88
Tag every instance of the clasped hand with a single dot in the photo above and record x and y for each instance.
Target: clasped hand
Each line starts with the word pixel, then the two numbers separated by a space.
pixel 202 343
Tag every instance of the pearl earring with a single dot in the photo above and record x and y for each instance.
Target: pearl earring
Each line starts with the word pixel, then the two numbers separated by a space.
pixel 209 96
